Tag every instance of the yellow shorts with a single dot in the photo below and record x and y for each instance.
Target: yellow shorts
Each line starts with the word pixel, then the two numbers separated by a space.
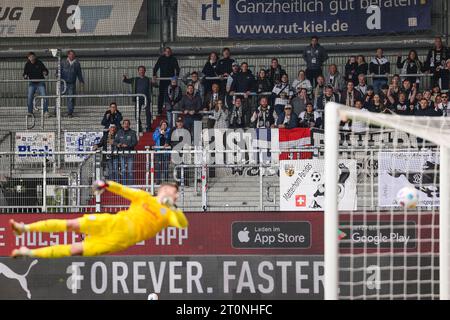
pixel 105 233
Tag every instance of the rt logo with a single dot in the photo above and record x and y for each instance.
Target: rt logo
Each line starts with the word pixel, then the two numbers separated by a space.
pixel 21 278
pixel 214 6
pixel 243 235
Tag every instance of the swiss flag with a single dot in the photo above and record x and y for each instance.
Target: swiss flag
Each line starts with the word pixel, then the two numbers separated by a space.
pixel 300 200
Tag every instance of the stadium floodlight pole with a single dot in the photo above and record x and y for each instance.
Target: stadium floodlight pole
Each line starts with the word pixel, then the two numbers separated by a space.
pixel 331 214
pixel 444 225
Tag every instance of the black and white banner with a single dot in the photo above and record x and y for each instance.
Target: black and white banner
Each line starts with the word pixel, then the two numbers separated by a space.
pixel 61 18
pixel 79 142
pixel 27 143
pixel 302 185
pixel 397 170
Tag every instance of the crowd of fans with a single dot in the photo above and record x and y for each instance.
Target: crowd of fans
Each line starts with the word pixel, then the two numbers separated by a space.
pixel 227 94
pixel 230 95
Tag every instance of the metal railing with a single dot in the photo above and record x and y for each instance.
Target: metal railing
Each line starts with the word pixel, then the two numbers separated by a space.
pixel 209 180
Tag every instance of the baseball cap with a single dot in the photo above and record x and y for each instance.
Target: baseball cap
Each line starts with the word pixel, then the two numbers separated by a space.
pixel 112 125
pixel 174 78
pixel 235 64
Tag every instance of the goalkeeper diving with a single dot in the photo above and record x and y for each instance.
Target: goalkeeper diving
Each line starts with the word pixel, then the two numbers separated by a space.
pixel 107 233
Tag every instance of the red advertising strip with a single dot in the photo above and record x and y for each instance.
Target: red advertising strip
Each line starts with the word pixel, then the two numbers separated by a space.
pixel 256 233
pixel 209 233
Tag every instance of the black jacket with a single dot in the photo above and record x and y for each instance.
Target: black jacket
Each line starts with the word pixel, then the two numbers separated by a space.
pixel 274 75
pixel 34 70
pixel 350 72
pixel 380 66
pixel 436 58
pixel 225 66
pixel 109 119
pixel 210 70
pixel 263 85
pixel 243 82
pixel 428 112
pixel 167 66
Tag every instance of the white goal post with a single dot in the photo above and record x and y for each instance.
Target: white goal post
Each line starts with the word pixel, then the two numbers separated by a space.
pixel 405 270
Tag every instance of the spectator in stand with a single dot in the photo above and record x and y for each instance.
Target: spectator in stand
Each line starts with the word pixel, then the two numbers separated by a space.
pixel 419 96
pixel 436 58
pixel 384 94
pixel 361 85
pixel 288 119
pixel 368 96
pixel 212 98
pixel 327 96
pixel 379 68
pixel 161 137
pixel 70 72
pixel 350 95
pixel 125 141
pixel 190 105
pixel 263 117
pixel 315 56
pixel 319 89
pixel 359 126
pixel 393 91
pixel 402 106
pixel 109 157
pixel 211 70
pixel 362 66
pixel 232 75
pixel 411 65
pixel 437 101
pixel 427 95
pixel 282 92
pixel 244 83
pixel 425 110
pixel 237 119
pixel 263 83
pixel 220 115
pixel 310 118
pixel 225 67
pixel 335 79
pixel 409 91
pixel 435 91
pixel 350 70
pixel 112 116
pixel 172 100
pixel 142 85
pixel 225 64
pixel 376 105
pixel 444 106
pixel 35 70
pixel 168 67
pixel 199 88
pixel 444 74
pixel 302 82
pixel 275 72
pixel 179 135
pixel 299 101
pixel 394 86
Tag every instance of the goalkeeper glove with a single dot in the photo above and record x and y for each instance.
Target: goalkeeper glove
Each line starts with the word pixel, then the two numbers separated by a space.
pixel 99 186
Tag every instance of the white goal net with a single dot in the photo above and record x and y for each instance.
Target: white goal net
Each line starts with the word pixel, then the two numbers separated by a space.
pixel 382 250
